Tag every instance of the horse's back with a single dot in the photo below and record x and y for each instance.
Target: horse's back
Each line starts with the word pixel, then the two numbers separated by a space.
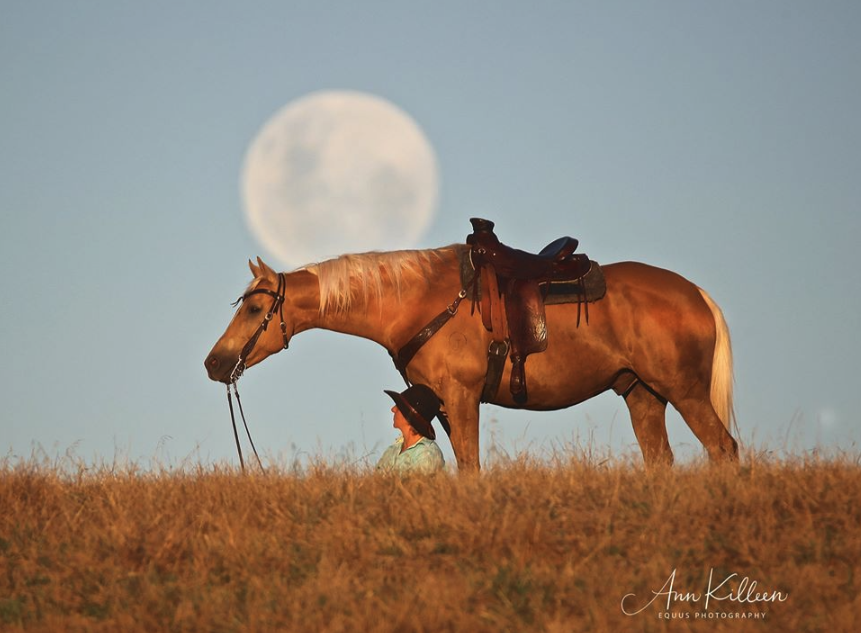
pixel 648 278
pixel 634 291
pixel 650 320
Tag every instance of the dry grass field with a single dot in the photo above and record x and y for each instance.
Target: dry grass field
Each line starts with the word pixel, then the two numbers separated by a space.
pixel 573 544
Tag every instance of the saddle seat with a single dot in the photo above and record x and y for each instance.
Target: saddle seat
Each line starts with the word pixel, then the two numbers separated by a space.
pixel 513 287
pixel 558 249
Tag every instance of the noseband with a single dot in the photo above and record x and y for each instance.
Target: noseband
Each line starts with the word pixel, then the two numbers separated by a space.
pixel 277 306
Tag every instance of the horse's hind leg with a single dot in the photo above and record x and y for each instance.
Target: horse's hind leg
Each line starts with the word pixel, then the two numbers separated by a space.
pixel 700 416
pixel 649 421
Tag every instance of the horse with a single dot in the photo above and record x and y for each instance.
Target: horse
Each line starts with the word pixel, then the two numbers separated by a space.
pixel 654 338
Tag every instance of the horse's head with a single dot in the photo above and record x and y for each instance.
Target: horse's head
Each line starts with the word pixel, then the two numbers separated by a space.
pixel 263 325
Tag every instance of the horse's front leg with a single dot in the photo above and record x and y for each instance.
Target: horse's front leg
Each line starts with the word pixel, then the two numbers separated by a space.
pixel 461 406
pixel 454 364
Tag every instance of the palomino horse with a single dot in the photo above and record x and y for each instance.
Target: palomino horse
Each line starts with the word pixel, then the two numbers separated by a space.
pixel 654 338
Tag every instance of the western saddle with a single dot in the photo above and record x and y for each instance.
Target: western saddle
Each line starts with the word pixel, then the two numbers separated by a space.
pixel 511 298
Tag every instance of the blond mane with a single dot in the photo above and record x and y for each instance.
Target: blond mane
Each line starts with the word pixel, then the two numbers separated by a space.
pixel 350 281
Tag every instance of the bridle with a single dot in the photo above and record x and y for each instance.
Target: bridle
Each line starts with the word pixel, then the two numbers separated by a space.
pixel 239 369
pixel 277 306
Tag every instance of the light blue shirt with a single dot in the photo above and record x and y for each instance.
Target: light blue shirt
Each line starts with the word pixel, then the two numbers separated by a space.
pixel 424 456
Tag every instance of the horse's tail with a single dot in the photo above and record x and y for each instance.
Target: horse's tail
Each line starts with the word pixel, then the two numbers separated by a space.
pixel 722 374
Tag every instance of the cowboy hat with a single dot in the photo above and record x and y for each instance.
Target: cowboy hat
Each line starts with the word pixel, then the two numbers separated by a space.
pixel 420 405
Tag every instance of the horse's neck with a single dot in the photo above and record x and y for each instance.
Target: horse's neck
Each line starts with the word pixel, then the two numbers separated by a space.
pixel 393 318
pixel 387 320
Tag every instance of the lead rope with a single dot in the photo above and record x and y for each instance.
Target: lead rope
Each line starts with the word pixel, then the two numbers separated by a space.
pixel 247 432
pixel 235 434
pixel 245 424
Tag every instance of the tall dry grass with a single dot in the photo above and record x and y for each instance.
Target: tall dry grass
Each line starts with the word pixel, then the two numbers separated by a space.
pixel 525 546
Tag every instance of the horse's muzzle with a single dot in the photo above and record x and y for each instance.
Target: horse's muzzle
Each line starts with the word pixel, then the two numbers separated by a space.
pixel 219 368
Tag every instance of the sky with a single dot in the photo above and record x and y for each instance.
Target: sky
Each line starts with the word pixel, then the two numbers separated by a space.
pixel 720 140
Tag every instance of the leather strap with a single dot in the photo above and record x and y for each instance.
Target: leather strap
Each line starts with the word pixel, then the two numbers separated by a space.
pixel 245 424
pixel 496 355
pixel 404 355
pixel 277 306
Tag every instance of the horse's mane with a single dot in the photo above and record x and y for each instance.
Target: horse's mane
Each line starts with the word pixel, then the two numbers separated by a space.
pixel 350 279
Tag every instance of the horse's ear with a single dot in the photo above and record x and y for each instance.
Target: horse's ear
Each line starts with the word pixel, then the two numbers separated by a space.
pixel 255 271
pixel 264 269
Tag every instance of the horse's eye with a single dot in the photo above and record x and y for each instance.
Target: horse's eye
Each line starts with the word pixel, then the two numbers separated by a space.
pixel 255 310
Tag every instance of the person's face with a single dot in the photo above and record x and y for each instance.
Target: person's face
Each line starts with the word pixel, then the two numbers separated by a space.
pixel 400 422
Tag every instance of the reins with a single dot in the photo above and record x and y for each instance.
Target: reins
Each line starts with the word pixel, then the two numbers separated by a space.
pixel 245 424
pixel 239 369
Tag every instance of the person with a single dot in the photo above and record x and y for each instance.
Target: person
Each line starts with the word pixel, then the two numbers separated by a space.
pixel 415 450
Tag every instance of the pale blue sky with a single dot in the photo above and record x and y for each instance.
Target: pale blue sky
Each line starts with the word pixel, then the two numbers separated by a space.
pixel 718 139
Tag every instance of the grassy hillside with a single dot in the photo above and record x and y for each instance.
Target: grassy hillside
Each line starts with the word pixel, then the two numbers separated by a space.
pixel 522 547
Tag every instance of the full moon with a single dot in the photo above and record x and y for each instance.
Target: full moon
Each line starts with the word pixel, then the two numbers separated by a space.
pixel 338 172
